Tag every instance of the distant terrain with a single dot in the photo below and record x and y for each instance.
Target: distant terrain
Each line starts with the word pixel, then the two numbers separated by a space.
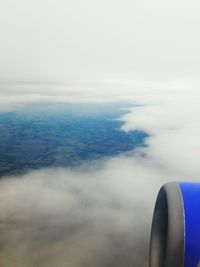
pixel 62 135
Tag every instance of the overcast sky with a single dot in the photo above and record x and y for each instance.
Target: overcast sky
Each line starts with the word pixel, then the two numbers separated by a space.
pixel 62 41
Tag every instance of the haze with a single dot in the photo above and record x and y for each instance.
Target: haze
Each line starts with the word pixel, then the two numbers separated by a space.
pixel 138 58
pixel 67 41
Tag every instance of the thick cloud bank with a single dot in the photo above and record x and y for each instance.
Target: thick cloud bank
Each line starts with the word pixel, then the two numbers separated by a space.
pixel 77 218
pixel 100 214
pixel 173 122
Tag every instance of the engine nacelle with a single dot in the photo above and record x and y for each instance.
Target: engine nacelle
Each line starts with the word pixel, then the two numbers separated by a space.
pixel 175 233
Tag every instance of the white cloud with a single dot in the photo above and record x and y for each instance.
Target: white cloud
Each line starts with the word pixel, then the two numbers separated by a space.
pixel 173 122
pixel 56 51
pixel 100 215
pixel 58 217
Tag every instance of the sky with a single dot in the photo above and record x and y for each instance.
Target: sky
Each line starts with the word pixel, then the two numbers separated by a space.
pixel 59 41
pixel 144 52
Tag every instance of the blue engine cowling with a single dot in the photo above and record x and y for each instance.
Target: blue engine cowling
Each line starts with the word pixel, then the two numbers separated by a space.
pixel 175 233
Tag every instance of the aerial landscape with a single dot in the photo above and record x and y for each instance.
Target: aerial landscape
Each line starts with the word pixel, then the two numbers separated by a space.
pixel 62 136
pixel 99 107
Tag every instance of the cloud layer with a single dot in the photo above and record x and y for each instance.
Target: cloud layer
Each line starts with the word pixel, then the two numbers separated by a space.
pixel 100 214
pixel 57 51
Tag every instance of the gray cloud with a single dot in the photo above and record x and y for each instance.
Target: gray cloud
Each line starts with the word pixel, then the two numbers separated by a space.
pixel 77 218
pixel 101 214
pixel 63 41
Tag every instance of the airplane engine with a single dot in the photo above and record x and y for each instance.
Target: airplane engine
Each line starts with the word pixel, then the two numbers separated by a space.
pixel 175 233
